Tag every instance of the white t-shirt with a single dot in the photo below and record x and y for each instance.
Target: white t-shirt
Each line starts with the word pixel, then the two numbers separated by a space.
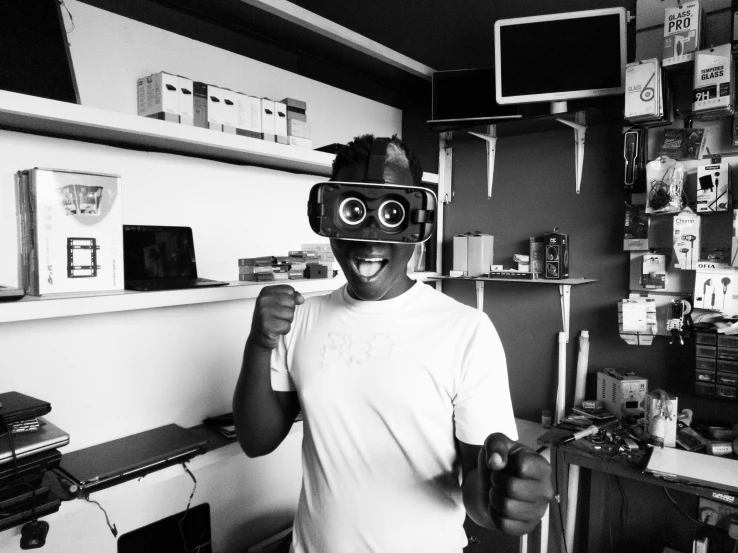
pixel 384 387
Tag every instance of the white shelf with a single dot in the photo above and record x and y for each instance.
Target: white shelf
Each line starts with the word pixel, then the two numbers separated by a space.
pixel 71 305
pixel 39 115
pixel 32 114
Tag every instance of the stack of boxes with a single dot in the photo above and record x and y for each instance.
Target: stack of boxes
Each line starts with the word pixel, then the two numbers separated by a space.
pixel 181 100
pixel 296 264
pixel 716 364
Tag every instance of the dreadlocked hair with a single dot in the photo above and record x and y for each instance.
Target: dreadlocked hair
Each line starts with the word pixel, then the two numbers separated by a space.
pixel 398 155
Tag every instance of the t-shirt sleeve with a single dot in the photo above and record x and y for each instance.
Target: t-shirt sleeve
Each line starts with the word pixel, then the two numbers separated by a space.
pixel 281 379
pixel 482 404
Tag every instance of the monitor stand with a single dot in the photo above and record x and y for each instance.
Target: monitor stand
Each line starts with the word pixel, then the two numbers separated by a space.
pixel 558 107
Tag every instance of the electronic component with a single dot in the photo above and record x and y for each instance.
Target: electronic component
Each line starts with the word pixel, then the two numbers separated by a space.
pixel 621 394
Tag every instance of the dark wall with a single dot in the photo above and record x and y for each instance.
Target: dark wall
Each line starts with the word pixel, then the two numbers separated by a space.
pixel 533 192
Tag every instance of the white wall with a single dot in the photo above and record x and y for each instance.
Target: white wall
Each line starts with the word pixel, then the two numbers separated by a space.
pixel 111 375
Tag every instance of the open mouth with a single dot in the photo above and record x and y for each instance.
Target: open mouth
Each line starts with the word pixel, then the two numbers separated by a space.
pixel 368 267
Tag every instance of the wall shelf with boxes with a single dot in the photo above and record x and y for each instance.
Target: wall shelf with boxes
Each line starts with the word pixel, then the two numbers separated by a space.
pixel 32 308
pixel 564 291
pixel 716 365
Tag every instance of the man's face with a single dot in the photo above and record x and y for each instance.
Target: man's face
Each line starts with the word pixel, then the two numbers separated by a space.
pixel 374 270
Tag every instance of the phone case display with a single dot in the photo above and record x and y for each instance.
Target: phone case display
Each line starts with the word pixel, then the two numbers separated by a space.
pixel 665 185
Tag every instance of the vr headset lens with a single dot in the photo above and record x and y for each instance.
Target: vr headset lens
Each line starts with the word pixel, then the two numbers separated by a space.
pixel 372 212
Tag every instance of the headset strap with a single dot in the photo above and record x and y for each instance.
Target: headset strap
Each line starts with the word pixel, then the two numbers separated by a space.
pixel 377 160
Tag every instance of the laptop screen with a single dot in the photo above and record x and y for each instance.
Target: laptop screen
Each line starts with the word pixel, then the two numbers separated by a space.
pixel 158 252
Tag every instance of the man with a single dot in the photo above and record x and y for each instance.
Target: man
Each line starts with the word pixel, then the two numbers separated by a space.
pixel 408 417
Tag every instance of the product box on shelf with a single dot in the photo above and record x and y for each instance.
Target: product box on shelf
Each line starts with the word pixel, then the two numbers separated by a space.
pixel 229 113
pixel 713 188
pixel 621 394
pixel 267 119
pixel 296 109
pixel 186 100
pixel 556 251
pixel 248 115
pixel 473 253
pixel 299 129
pixel 200 104
pixel 280 123
pixel 158 96
pixel 71 231
pixel 215 108
pixel 686 239
pixel 682 33
pixel 301 142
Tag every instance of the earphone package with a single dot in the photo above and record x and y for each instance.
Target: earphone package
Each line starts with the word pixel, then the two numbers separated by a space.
pixel 686 239
pixel 664 185
pixel 715 286
pixel 713 188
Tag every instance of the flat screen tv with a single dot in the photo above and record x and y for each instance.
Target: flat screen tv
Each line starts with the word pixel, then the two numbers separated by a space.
pixel 559 57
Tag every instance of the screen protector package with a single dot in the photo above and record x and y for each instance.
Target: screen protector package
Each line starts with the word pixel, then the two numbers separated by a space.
pixel 665 185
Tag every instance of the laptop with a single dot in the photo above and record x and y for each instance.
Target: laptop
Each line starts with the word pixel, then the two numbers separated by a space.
pixel 29 468
pixel 48 436
pixel 688 467
pixel 118 461
pixel 161 258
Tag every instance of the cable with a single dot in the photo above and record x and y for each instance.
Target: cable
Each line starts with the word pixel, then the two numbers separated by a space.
pixel 700 523
pixel 557 494
pixel 189 501
pixel 112 527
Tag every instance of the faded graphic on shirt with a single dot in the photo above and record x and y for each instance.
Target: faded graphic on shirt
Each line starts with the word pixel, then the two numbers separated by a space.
pixel 356 351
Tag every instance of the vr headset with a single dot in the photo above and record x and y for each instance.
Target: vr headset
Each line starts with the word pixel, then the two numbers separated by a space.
pixel 372 210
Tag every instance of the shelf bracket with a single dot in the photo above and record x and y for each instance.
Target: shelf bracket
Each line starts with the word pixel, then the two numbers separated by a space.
pixel 579 131
pixel 565 293
pixel 491 138
pixel 445 166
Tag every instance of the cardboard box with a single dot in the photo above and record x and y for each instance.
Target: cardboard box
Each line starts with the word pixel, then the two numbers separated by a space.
pixel 687 244
pixel 301 142
pixel 652 406
pixel 300 129
pixel 267 120
pixel 713 188
pixel 248 115
pixel 461 251
pixel 186 100
pixel 480 253
pixel 229 114
pixel 71 231
pixel 682 33
pixel 556 251
pixel 200 104
pixel 215 108
pixel 280 123
pixel 158 97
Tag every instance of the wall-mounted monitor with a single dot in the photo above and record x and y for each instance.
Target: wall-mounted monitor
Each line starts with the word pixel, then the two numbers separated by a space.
pixel 559 57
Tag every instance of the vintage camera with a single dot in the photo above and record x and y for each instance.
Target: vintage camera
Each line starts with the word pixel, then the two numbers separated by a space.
pixel 372 212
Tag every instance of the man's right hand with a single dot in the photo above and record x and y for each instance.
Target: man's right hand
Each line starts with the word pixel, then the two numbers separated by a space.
pixel 273 315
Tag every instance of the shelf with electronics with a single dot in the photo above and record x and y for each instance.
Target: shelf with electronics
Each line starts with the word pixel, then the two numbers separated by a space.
pixel 35 115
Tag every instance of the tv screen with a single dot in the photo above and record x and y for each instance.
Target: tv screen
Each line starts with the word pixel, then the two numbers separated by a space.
pixel 558 57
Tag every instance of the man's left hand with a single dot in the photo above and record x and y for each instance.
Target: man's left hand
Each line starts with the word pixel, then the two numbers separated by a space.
pixel 516 484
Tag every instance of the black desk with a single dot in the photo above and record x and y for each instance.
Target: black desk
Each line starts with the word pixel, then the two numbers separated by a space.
pixel 601 464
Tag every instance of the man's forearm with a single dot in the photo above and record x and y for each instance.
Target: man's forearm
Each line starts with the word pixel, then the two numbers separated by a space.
pixel 259 415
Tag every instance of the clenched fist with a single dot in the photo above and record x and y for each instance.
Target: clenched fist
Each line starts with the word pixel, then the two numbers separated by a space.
pixel 273 315
pixel 516 484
